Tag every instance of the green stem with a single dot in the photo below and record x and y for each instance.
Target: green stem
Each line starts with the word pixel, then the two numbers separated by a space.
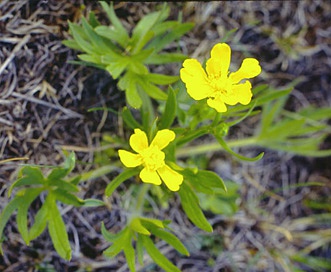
pixel 217 119
pixel 141 197
pixel 212 147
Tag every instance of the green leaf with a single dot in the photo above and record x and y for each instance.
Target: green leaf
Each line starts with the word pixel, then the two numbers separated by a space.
pixel 40 222
pixel 61 172
pixel 112 34
pixel 190 204
pixel 72 44
pixel 170 110
pixel 161 41
pixel 152 90
pixel 166 236
pixel 136 226
pixel 126 174
pixel 142 55
pixel 31 176
pixel 129 120
pixel 228 34
pixel 160 79
pixel 235 122
pixel 137 67
pixel 142 33
pixel 271 95
pixel 157 256
pixel 140 250
pixel 238 156
pixel 191 135
pixel 92 20
pixel 117 68
pixel 7 212
pixel 22 212
pixel 155 222
pixel 165 58
pixel 121 33
pixel 91 202
pixel 100 47
pixel 67 198
pixel 80 38
pixel 203 180
pixel 270 112
pixel 315 263
pixel 90 58
pixel 132 95
pixel 57 229
pixel 315 113
pixel 64 185
pixel 165 26
pixel 130 256
pixel 110 237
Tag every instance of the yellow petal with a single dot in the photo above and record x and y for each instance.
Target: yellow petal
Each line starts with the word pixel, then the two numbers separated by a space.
pixel 138 140
pixel 219 62
pixel 249 68
pixel 243 92
pixel 196 80
pixel 163 138
pixel 129 159
pixel 148 176
pixel 217 104
pixel 171 178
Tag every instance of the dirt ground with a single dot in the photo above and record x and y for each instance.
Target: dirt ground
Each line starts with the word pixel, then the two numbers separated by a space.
pixel 43 110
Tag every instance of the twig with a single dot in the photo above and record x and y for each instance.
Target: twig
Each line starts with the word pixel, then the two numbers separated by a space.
pixel 17 48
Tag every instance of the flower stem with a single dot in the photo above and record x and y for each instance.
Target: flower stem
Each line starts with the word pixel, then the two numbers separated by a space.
pixel 212 147
pixel 141 197
pixel 217 119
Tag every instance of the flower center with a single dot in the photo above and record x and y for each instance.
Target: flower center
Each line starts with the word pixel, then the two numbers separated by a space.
pixel 153 158
pixel 222 86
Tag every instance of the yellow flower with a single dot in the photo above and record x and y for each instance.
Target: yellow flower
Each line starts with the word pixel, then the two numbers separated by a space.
pixel 151 157
pixel 218 85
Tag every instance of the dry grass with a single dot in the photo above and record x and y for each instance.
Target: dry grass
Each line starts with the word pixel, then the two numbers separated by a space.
pixel 43 103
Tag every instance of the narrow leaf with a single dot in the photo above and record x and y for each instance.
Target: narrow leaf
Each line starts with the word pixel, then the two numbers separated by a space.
pixel 126 174
pixel 228 149
pixel 170 110
pixel 57 229
pixel 31 176
pixel 165 58
pixel 190 204
pixel 40 222
pixel 67 198
pixel 166 236
pixel 22 212
pixel 157 256
pixel 129 119
pixel 90 202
